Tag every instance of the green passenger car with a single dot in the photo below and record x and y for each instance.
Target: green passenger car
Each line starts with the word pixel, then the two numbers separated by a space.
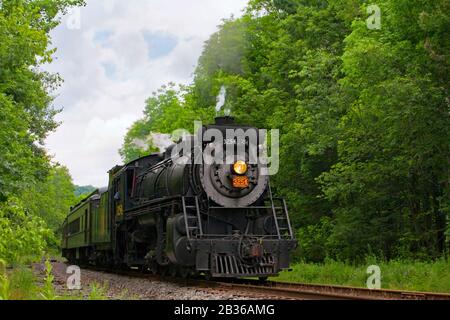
pixel 87 226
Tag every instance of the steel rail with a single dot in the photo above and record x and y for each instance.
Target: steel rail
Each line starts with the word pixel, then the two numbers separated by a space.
pixel 343 292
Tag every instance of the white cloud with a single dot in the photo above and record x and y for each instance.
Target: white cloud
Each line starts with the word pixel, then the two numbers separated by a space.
pixel 109 72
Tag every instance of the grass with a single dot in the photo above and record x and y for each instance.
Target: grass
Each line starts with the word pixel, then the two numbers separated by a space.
pixel 396 275
pixel 21 283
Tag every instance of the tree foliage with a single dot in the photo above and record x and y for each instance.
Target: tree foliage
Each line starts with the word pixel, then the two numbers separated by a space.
pixel 22 236
pixel 52 198
pixel 167 110
pixel 84 190
pixel 34 194
pixel 26 112
pixel 391 177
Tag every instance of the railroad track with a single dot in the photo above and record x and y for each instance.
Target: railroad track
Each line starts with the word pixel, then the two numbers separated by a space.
pixel 328 292
pixel 289 291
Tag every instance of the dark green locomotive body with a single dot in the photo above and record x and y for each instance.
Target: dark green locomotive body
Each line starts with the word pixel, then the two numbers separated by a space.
pixel 166 181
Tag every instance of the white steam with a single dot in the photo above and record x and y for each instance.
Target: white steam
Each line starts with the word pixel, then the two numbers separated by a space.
pixel 160 141
pixel 221 99
pixel 140 143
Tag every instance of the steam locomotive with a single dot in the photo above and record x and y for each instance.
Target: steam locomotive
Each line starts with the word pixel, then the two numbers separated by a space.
pixel 170 214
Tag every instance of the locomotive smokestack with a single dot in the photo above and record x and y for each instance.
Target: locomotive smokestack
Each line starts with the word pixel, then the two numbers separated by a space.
pixel 224 120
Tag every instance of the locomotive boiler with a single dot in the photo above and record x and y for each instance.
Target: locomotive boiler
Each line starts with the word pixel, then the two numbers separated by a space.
pixel 194 209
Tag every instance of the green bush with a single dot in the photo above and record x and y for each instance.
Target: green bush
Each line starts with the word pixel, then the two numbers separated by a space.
pixel 312 241
pixel 22 236
pixel 4 282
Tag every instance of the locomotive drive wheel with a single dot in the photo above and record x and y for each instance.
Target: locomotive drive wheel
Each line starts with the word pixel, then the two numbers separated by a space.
pixel 121 266
pixel 208 276
pixel 153 268
pixel 173 271
pixel 144 269
pixel 186 273
pixel 164 271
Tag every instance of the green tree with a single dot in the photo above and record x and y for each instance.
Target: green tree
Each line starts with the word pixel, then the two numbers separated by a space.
pixel 26 112
pixel 26 117
pixel 23 237
pixel 52 198
pixel 390 187
pixel 167 110
pixel 223 53
pixel 83 190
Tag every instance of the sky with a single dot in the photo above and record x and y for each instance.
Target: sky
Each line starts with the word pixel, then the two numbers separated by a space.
pixel 112 54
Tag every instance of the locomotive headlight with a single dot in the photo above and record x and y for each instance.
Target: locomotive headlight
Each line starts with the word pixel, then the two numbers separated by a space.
pixel 240 167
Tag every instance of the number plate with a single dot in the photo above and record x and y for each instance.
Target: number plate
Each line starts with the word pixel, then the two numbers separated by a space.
pixel 240 182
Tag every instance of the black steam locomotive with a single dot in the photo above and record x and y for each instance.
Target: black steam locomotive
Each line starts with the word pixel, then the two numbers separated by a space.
pixel 173 215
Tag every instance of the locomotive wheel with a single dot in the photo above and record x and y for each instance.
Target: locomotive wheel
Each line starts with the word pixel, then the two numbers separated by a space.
pixel 173 271
pixel 121 266
pixel 185 273
pixel 163 271
pixel 153 268
pixel 208 276
pixel 145 269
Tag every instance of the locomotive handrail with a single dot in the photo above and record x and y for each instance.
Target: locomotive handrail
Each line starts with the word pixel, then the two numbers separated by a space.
pixel 157 166
pixel 277 218
pixel 254 207
pixel 197 215
pixel 287 217
pixel 197 210
pixel 186 223
pixel 221 236
pixel 154 201
pixel 274 212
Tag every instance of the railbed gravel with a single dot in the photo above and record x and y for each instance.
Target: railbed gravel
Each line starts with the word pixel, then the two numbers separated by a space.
pixel 121 287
